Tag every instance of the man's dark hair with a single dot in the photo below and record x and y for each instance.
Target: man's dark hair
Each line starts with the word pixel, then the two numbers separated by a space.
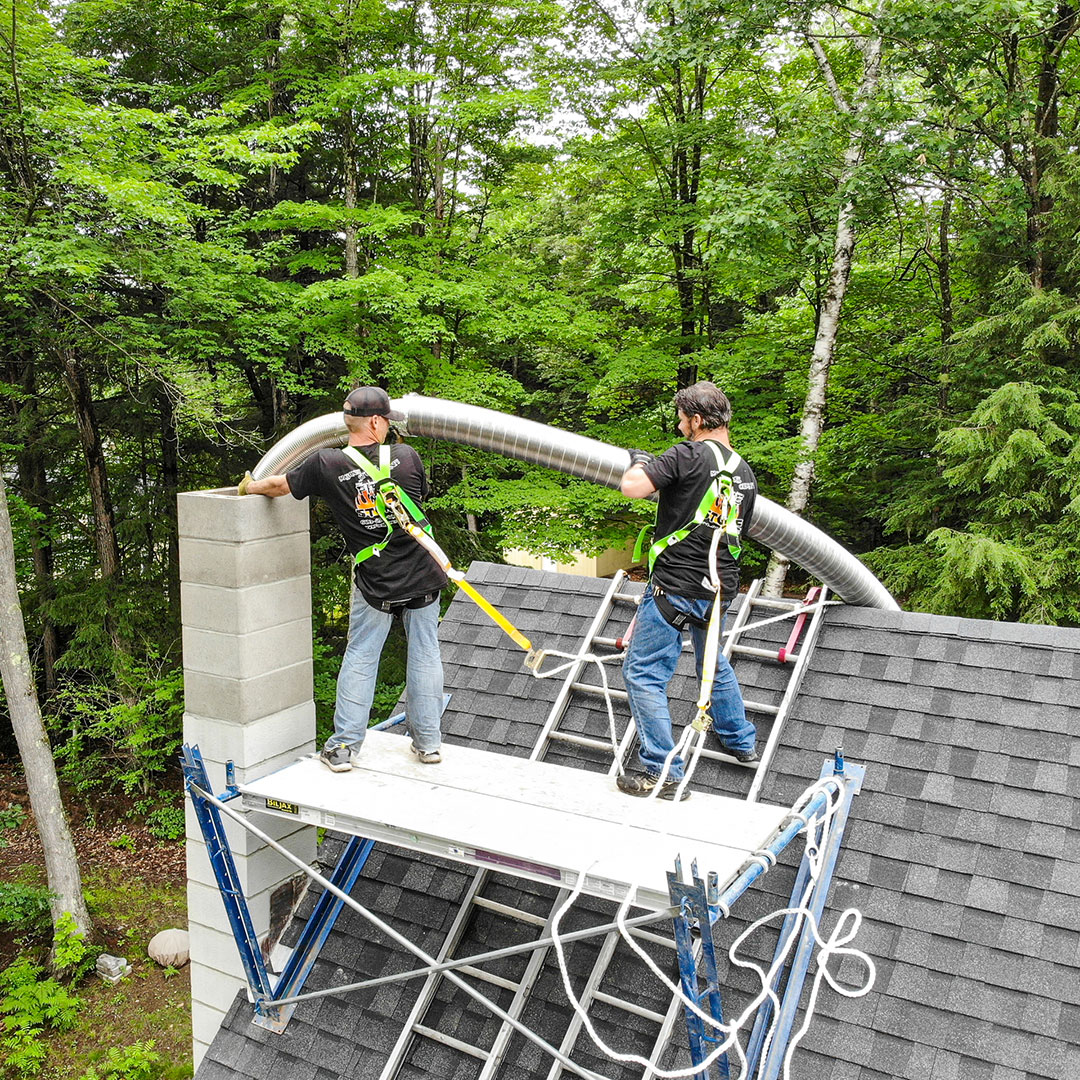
pixel 707 400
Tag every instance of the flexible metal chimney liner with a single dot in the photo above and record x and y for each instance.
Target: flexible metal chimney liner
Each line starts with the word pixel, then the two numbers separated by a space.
pixel 588 459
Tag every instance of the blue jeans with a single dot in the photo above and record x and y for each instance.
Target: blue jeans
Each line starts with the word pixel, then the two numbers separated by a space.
pixel 654 651
pixel 368 628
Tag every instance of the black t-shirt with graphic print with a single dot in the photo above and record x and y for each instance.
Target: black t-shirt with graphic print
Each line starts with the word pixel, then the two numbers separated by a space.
pixel 681 475
pixel 404 569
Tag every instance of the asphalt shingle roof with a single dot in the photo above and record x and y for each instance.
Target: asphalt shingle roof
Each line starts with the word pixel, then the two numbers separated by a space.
pixel 963 852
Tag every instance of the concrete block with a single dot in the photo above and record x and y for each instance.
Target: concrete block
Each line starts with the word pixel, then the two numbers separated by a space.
pixel 243 611
pixel 239 701
pixel 244 776
pixel 201 893
pixel 254 859
pixel 210 985
pixel 205 1023
pixel 244 843
pixel 256 747
pixel 220 514
pixel 255 562
pixel 206 909
pixel 246 656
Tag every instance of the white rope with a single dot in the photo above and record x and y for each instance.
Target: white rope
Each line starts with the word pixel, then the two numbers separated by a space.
pixel 599 661
pixel 810 826
pixel 835 945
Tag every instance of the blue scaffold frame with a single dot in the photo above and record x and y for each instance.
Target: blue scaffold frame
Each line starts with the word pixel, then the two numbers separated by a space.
pixel 700 906
pixel 291 980
pixel 264 993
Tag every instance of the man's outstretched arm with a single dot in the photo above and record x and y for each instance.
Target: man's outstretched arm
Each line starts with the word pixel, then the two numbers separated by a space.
pixel 269 485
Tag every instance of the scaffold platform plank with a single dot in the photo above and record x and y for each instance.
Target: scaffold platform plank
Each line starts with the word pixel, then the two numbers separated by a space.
pixel 530 819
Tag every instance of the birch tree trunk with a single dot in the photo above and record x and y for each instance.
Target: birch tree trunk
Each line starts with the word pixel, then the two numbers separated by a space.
pixel 31 465
pixel 61 864
pixel 813 413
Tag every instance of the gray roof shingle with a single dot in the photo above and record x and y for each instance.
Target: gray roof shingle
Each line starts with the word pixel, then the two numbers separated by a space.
pixel 963 852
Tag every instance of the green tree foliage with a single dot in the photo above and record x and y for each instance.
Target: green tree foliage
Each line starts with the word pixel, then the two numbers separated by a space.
pixel 220 217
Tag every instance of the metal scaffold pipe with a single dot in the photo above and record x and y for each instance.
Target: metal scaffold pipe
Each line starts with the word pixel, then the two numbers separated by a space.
pixel 587 459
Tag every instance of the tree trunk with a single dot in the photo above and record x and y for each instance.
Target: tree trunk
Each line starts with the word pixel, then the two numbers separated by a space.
pixel 944 274
pixel 1042 266
pixel 813 414
pixel 352 180
pixel 108 549
pixel 36 491
pixel 61 864
pixel 170 483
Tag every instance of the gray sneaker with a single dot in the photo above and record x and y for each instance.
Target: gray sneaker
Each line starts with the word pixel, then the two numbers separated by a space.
pixel 427 757
pixel 336 758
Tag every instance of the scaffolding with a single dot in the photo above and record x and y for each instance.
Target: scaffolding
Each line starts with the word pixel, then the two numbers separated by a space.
pixel 561 826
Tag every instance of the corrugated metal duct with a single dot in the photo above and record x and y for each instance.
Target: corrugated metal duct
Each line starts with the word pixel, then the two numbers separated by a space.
pixel 589 459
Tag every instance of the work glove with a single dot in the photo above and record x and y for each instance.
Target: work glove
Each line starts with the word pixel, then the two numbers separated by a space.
pixel 241 488
pixel 640 457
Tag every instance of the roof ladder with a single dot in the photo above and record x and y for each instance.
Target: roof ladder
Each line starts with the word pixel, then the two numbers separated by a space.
pixel 491 1056
pixel 793 657
pixel 592 992
pixel 572 684
pixel 475 900
pixel 665 1022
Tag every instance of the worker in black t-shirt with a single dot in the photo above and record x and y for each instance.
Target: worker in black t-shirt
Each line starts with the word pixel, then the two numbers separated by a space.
pixel 393 574
pixel 682 584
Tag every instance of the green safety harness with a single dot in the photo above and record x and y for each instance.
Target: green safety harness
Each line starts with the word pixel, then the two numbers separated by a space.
pixel 719 509
pixel 384 486
pixel 394 505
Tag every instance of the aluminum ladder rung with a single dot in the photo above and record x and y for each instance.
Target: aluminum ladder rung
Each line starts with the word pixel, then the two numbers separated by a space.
pixel 667 1024
pixel 627 1006
pixel 608 642
pixel 776 605
pixel 508 911
pixel 488 977
pixel 555 716
pixel 811 623
pixel 580 740
pixel 588 991
pixel 598 691
pixel 761 707
pixel 449 1040
pixel 656 939
pixel 763 654
pixel 727 759
pixel 627 598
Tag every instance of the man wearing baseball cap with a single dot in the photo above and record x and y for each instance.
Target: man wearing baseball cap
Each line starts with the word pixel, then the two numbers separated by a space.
pixel 394 576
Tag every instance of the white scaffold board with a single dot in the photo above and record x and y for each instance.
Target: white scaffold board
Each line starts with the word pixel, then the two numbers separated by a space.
pixel 527 818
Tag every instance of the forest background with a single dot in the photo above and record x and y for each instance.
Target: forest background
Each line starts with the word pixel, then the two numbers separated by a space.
pixel 219 217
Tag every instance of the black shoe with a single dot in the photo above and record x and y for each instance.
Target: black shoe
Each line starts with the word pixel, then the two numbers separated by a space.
pixel 643 783
pixel 743 757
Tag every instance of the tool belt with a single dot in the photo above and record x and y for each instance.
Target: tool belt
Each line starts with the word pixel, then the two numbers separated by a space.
pixel 679 619
pixel 396 607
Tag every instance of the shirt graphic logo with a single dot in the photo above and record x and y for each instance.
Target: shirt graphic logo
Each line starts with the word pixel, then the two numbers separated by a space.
pixel 364 502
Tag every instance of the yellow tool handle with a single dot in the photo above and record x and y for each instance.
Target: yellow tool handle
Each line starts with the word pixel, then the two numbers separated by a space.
pixel 515 634
pixel 440 556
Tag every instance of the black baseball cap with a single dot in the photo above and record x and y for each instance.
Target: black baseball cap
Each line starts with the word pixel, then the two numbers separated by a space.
pixel 371 401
